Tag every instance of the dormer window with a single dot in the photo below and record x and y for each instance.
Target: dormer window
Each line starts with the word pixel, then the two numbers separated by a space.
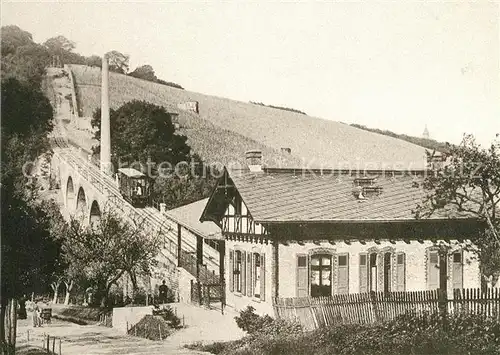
pixel 365 180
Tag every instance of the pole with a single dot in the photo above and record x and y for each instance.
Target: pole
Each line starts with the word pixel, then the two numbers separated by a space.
pixel 105 122
pixel 60 353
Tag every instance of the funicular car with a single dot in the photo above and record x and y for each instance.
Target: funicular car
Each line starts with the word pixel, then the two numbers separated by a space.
pixel 135 187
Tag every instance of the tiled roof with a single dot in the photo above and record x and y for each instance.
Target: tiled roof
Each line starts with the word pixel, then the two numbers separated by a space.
pixel 188 216
pixel 290 196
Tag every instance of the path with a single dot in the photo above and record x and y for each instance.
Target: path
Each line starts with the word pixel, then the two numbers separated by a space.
pixel 202 325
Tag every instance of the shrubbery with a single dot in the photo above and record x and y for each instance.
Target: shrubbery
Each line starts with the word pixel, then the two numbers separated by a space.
pixel 407 334
pixel 254 324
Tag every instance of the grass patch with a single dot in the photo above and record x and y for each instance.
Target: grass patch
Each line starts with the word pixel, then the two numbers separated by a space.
pixel 78 314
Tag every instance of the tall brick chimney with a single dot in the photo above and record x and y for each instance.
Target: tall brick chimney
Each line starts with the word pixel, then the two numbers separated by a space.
pixel 106 165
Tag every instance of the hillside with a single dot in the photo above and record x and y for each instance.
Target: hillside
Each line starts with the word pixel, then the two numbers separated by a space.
pixel 226 127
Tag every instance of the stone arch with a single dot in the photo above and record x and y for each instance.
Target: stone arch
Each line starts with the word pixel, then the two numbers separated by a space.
pixel 70 193
pixel 95 213
pixel 81 203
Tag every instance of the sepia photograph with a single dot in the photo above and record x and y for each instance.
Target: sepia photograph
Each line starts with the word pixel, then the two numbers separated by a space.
pixel 250 177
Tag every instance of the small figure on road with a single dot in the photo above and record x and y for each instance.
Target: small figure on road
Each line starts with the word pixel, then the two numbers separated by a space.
pixel 163 289
pixel 22 308
pixel 37 320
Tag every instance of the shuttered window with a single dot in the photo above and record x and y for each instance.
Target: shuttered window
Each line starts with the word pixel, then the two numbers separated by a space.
pixel 343 273
pixel 243 273
pixel 237 271
pixel 400 272
pixel 433 270
pixel 231 268
pixel 249 274
pixel 302 276
pixel 321 275
pixel 387 274
pixel 262 277
pixel 363 272
pixel 457 270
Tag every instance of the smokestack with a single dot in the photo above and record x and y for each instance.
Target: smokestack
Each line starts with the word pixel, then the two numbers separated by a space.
pixel 254 160
pixel 106 165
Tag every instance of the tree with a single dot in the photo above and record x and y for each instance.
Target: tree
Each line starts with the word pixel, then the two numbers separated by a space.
pixel 59 45
pixel 118 62
pixel 93 61
pixel 141 132
pixel 145 72
pixel 22 58
pixel 469 182
pixel 14 37
pixel 190 184
pixel 30 254
pixel 104 252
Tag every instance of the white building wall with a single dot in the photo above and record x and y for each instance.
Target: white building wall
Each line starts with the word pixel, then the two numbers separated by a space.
pixel 415 265
pixel 239 301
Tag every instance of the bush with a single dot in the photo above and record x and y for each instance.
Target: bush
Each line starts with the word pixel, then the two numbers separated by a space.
pixel 408 334
pixel 169 315
pixel 251 322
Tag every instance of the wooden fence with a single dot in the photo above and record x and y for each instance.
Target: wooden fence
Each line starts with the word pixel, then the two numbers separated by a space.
pixel 476 301
pixel 316 312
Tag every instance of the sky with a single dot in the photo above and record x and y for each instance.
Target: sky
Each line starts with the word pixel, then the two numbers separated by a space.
pixel 397 65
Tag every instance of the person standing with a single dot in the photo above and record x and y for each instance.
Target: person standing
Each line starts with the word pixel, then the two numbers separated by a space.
pixel 163 289
pixel 22 308
pixel 37 321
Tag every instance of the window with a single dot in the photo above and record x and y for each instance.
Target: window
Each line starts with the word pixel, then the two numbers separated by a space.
pixel 256 275
pixel 237 271
pixel 321 275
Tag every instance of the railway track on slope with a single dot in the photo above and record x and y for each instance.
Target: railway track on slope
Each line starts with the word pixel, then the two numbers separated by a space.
pixel 106 186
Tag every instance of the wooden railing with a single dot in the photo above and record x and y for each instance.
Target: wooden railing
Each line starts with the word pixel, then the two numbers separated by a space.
pixel 316 312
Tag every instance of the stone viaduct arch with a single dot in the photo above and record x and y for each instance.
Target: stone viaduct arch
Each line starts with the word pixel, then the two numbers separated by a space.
pixel 70 194
pixel 81 204
pixel 95 213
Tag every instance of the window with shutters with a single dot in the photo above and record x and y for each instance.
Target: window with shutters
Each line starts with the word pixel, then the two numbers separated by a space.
pixel 256 275
pixel 400 272
pixel 432 269
pixel 321 275
pixel 238 271
pixel 343 274
pixel 457 270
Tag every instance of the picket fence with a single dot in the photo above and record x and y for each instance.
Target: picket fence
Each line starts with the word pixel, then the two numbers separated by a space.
pixel 365 308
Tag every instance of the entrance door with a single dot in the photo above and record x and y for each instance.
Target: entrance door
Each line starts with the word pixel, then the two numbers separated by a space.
pixel 321 275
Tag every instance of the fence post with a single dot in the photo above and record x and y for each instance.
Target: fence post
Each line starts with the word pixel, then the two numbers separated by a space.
pixel 375 305
pixel 48 343
pixel 60 346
